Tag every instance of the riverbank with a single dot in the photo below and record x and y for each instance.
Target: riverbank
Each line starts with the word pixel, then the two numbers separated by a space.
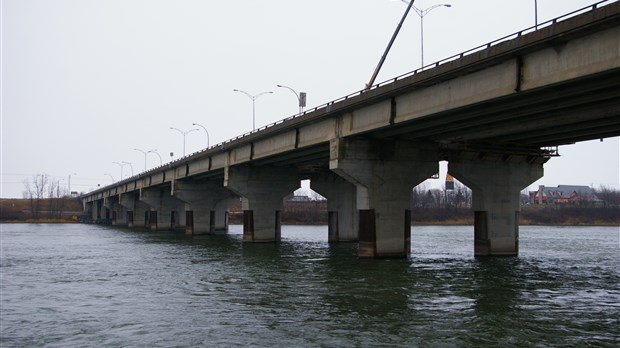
pixel 315 213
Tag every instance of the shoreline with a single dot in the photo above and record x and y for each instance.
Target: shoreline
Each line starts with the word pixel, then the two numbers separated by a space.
pixel 413 223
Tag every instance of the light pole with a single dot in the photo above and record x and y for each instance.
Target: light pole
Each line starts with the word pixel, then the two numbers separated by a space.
pixel 301 97
pixel 536 13
pixel 111 177
pixel 146 153
pixel 423 13
pixel 130 166
pixel 203 127
pixel 253 97
pixel 70 183
pixel 158 155
pixel 184 134
pixel 120 165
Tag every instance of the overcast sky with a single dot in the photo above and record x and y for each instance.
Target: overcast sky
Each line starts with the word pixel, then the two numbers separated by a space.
pixel 85 82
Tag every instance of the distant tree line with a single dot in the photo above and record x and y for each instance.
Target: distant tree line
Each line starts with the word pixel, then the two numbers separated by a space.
pixel 47 197
pixel 441 206
pixel 459 197
pixel 609 196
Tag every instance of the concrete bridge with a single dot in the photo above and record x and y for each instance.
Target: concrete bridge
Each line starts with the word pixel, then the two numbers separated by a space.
pixel 494 113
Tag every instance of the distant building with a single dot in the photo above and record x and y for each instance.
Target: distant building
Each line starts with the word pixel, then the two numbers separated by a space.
pixel 563 194
pixel 298 199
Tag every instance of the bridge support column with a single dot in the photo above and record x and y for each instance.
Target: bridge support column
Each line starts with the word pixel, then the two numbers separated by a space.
pixel 342 212
pixel 384 174
pixel 117 214
pixel 136 210
pixel 96 211
pixel 496 186
pixel 206 206
pixel 88 207
pixel 127 202
pixel 263 190
pixel 219 220
pixel 163 208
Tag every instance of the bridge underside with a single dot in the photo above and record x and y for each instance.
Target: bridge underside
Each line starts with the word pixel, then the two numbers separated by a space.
pixel 578 110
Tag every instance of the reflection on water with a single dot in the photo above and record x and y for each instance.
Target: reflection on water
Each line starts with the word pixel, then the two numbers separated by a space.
pixel 84 285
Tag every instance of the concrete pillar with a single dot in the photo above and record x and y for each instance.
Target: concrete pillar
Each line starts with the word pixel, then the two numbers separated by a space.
pixel 163 208
pixel 263 190
pixel 341 209
pixel 496 186
pixel 136 210
pixel 206 206
pixel 88 208
pixel 219 221
pixel 384 173
pixel 98 210
pixel 118 215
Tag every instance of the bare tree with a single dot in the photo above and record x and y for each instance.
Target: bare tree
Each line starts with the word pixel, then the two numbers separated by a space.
pixel 56 196
pixel 35 191
pixel 609 196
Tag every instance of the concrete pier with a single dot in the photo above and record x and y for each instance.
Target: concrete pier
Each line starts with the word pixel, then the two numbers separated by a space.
pixel 384 174
pixel 343 220
pixel 263 190
pixel 206 206
pixel 496 183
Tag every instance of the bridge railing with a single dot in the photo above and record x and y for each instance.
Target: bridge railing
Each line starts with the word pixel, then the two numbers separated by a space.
pixel 428 67
pixel 327 106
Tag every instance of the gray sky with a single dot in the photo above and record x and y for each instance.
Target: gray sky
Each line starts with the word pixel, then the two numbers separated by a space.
pixel 84 82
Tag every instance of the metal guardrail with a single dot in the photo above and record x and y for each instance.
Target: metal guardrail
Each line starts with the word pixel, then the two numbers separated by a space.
pixel 424 68
pixel 328 105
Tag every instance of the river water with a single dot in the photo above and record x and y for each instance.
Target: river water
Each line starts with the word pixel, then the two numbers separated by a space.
pixel 80 285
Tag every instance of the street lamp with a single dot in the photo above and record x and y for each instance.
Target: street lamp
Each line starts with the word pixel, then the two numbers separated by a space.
pixel 120 165
pixel 423 13
pixel 124 163
pixel 70 183
pixel 301 97
pixel 253 97
pixel 184 134
pixel 536 13
pixel 146 153
pixel 203 127
pixel 158 155
pixel 111 177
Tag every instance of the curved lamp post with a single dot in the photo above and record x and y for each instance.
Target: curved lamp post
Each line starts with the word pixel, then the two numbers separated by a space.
pixel 421 14
pixel 146 153
pixel 130 166
pixel 111 177
pixel 203 127
pixel 158 155
pixel 184 134
pixel 301 97
pixel 253 97
pixel 120 165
